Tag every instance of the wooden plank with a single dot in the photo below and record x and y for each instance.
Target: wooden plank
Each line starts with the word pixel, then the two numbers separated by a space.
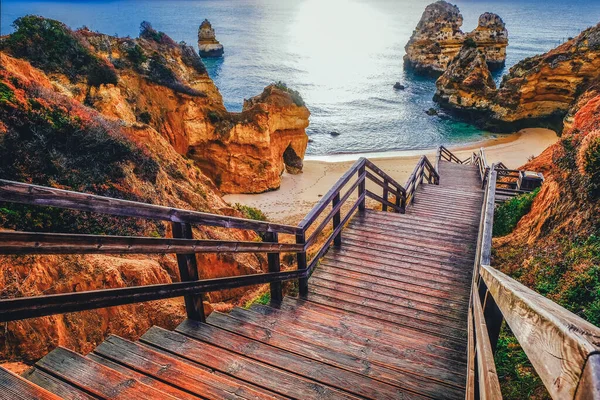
pixel 341 378
pixel 276 288
pixel 470 390
pixel 356 323
pixel 60 243
pixel 383 201
pixel 14 387
pixel 37 306
pixel 95 378
pixel 589 385
pixel 489 386
pixel 185 376
pixel 55 385
pixel 188 272
pixel 145 379
pixel 15 192
pixel 556 341
pixel 347 327
pixel 404 360
pixel 246 369
pixel 399 315
pixel 409 382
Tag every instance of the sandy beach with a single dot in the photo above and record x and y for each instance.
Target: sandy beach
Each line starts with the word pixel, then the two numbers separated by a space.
pixel 299 193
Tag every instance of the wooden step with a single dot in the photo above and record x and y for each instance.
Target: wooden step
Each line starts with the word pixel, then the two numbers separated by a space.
pixel 94 378
pixel 14 387
pixel 243 368
pixel 408 382
pixel 185 376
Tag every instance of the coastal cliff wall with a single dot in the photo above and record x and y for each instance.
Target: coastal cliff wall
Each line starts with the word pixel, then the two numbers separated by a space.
pixel 438 38
pixel 155 81
pixel 537 92
pixel 97 114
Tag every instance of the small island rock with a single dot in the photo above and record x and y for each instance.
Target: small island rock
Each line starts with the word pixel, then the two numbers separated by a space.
pixel 208 46
pixel 437 39
pixel 399 86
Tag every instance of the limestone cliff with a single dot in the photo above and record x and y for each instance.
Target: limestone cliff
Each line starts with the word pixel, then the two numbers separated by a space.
pixel 555 248
pixel 75 119
pixel 438 38
pixel 208 45
pixel 538 91
pixel 163 84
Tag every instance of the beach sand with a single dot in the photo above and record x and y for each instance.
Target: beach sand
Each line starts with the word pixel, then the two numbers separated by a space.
pixel 299 193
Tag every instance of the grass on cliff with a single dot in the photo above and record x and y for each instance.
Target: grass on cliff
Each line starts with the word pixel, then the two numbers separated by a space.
pixel 52 47
pixel 250 212
pixel 509 213
pixel 296 97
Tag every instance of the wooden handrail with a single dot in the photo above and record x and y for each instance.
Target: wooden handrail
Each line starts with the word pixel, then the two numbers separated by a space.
pixel 417 176
pixel 448 155
pixel 15 192
pixel 183 244
pixel 60 243
pixel 562 347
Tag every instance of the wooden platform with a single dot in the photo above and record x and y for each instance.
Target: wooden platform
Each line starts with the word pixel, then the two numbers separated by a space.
pixel 385 318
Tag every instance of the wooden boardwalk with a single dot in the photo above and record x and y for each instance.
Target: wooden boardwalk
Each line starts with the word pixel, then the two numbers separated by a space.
pixel 385 318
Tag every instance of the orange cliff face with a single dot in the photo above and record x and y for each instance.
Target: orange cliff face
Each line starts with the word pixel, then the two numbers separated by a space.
pixel 165 85
pixel 49 137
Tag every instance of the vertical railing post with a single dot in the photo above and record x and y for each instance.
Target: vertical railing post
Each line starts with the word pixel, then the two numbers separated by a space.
pixel 386 194
pixel 274 266
pixel 361 188
pixel 337 240
pixel 188 271
pixel 301 257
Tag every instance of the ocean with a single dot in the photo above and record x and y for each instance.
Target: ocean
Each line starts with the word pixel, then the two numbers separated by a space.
pixel 343 56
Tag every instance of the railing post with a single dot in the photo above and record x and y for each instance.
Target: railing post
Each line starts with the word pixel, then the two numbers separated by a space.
pixel 188 271
pixel 337 241
pixel 385 194
pixel 274 266
pixel 301 257
pixel 493 318
pixel 361 188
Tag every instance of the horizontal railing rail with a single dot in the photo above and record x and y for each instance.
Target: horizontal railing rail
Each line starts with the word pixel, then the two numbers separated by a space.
pixel 444 153
pixel 353 182
pixel 563 348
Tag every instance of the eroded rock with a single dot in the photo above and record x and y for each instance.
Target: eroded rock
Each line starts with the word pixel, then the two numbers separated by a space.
pixel 208 45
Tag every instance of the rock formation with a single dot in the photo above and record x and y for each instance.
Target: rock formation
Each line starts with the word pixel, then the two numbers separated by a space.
pixel 208 46
pixel 537 92
pixel 115 117
pixel 438 38
pixel 155 81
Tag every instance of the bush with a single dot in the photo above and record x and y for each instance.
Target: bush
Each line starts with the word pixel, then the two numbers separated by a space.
pixel 147 32
pixel 136 55
pixel 160 73
pixel 591 165
pixel 52 47
pixel 508 214
pixel 296 98
pixel 250 212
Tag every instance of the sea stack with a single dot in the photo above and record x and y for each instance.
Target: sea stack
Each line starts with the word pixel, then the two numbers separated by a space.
pixel 208 45
pixel 437 39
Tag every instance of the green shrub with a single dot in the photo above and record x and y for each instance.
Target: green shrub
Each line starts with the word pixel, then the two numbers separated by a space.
pixel 508 214
pixel 6 94
pixel 52 47
pixel 147 32
pixel 470 43
pixel 136 55
pixel 250 212
pixel 296 97
pixel 591 166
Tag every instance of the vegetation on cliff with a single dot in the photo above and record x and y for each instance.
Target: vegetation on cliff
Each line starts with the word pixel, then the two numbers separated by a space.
pixel 555 248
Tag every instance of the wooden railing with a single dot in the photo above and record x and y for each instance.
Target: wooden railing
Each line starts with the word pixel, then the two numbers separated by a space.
pixel 445 154
pixel 423 170
pixel 563 348
pixel 183 244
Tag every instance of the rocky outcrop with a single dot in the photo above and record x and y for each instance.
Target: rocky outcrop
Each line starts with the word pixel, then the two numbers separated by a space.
pixel 208 45
pixel 438 38
pixel 537 92
pixel 110 130
pixel 153 80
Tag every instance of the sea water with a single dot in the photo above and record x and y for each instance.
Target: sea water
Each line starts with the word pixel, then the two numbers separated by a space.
pixel 343 56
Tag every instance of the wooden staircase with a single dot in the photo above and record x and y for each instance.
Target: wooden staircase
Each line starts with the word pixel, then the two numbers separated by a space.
pixel 385 318
pixel 393 313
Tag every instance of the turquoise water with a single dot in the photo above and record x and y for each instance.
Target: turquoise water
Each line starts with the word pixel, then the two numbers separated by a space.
pixel 343 56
